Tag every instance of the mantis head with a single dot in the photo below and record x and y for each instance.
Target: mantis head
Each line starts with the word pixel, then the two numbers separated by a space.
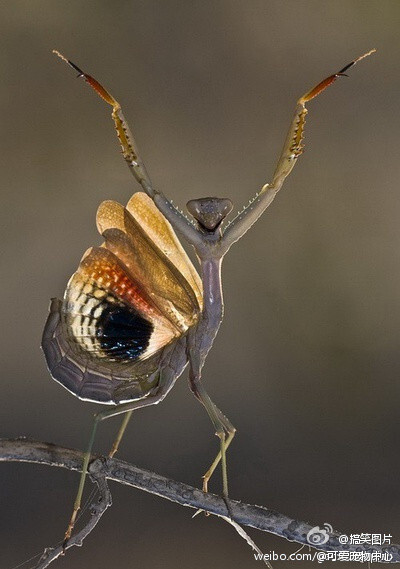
pixel 209 212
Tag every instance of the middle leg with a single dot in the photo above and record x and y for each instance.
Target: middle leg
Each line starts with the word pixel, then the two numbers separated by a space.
pixel 120 434
pixel 224 430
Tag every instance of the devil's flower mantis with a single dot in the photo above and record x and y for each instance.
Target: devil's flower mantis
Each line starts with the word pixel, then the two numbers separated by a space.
pixel 136 312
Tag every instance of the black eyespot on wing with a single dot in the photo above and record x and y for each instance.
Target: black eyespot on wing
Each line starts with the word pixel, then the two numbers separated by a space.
pixel 100 379
pixel 122 332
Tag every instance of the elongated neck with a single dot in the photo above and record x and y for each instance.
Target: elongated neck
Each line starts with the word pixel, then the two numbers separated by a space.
pixel 212 290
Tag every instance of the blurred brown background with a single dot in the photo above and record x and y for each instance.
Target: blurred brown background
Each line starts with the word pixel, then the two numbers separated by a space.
pixel 306 364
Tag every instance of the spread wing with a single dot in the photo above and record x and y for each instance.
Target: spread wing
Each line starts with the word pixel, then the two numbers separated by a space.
pixel 128 301
pixel 160 231
pixel 144 240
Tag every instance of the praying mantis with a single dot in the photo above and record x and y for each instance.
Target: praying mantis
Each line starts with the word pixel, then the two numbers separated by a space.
pixel 136 312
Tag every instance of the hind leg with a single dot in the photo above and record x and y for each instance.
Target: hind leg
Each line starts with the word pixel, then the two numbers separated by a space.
pixel 224 430
pixel 126 408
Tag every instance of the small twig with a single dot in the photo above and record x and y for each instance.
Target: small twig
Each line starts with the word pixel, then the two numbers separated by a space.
pixel 23 450
pixel 246 538
pixel 96 508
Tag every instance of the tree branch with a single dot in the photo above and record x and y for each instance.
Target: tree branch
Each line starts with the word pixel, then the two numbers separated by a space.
pixel 23 450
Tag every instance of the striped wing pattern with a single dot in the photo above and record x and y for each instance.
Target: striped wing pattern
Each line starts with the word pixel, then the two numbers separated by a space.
pixel 130 302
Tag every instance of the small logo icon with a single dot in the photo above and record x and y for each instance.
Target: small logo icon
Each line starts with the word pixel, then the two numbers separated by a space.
pixel 319 536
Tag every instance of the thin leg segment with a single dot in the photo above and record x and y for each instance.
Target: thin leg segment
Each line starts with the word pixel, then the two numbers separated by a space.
pixel 127 408
pixel 78 499
pixel 120 434
pixel 217 460
pixel 224 430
